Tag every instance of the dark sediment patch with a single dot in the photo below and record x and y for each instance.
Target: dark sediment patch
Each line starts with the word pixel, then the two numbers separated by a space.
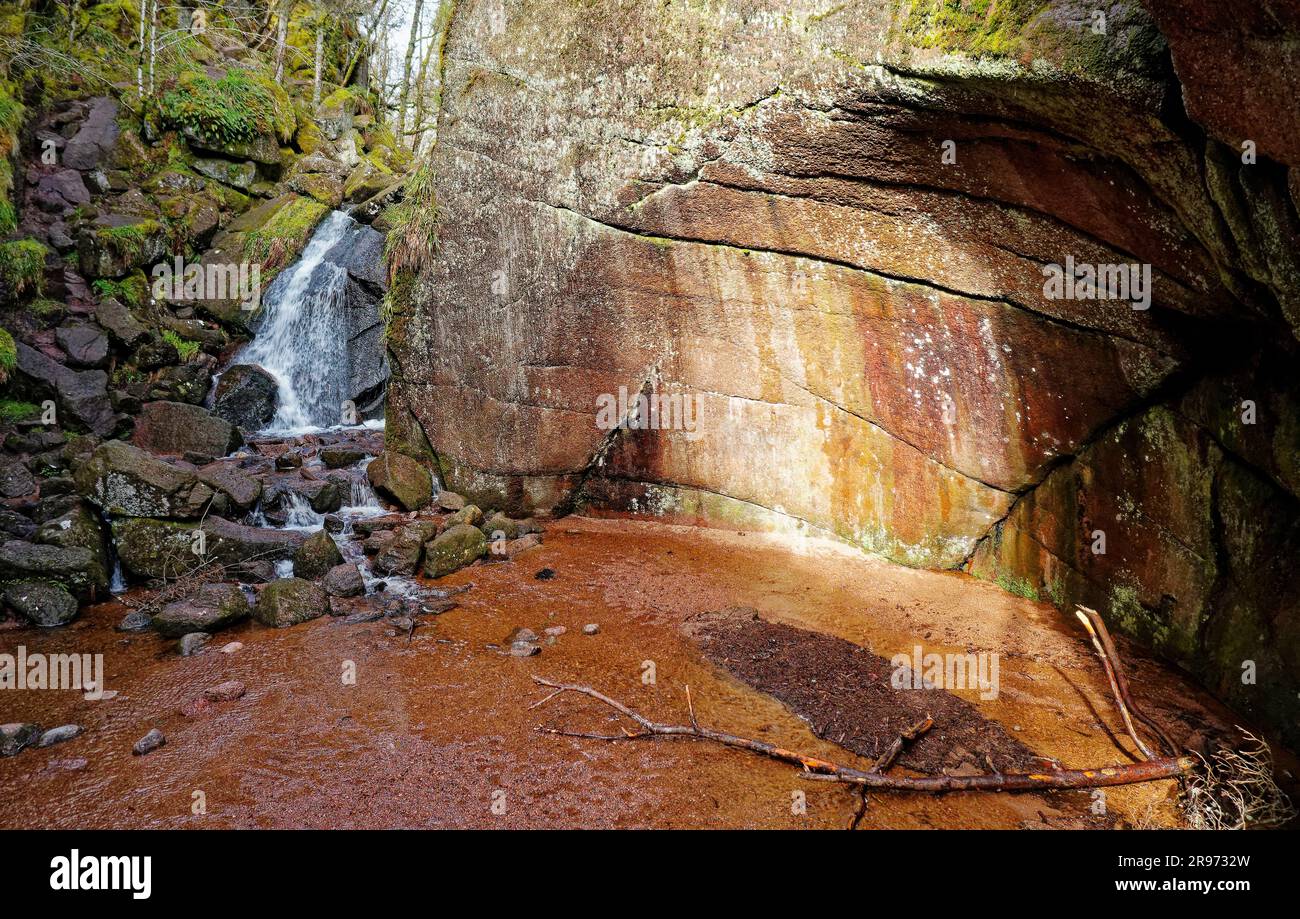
pixel 845 694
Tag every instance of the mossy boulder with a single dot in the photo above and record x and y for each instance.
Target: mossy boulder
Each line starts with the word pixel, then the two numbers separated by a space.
pixel 316 556
pixel 124 480
pixel 150 548
pixel 211 608
pixel 289 601
pixel 400 478
pixel 453 549
pixel 45 603
pixel 123 245
pixel 76 568
pixel 241 115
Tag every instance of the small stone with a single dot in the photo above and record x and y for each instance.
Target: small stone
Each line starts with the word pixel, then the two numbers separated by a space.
pixel 228 691
pixel 344 581
pixel 369 615
pixel 523 635
pixel 58 735
pixel 524 649
pixel 546 574
pixel 195 707
pixel 590 628
pixel 14 738
pixel 135 621
pixel 450 501
pixel 193 643
pixel 149 742
pixel 555 631
pixel 232 647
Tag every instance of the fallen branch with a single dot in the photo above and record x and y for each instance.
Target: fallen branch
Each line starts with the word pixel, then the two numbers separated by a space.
pixel 1109 655
pixel 825 770
pixel 886 760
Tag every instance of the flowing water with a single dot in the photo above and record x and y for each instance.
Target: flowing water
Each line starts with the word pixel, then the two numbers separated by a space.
pixel 303 341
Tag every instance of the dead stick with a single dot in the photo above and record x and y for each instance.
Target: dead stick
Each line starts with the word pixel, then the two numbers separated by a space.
pixel 1121 680
pixel 1114 683
pixel 825 770
pixel 887 760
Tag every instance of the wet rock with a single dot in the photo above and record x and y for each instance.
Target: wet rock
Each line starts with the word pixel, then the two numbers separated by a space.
pixel 15 479
pixel 316 556
pixel 149 742
pixel 59 735
pixel 400 554
pixel 81 396
pixel 135 621
pixel 452 550
pixel 14 738
pixel 177 427
pixel 524 649
pixel 123 328
pixel 522 634
pixel 120 243
pixel 15 525
pixel 264 148
pixel 232 647
pixel 545 574
pixel 79 527
pixel 554 631
pixel 344 581
pixel 45 603
pixel 124 480
pixel 238 175
pixel 76 568
pixel 290 601
pixel 209 609
pixel 150 548
pixel 469 515
pixel 590 628
pixel 96 137
pixel 228 691
pixel 239 487
pixel 368 615
pixel 401 479
pixel 324 497
pixel 288 460
pixel 85 343
pixel 254 571
pixel 450 501
pixel 515 547
pixel 507 527
pixel 246 396
pixel 337 457
pixel 193 643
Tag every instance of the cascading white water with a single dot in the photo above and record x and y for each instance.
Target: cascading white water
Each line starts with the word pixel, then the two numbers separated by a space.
pixel 302 341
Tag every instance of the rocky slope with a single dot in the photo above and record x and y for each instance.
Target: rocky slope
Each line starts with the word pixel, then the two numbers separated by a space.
pixel 824 226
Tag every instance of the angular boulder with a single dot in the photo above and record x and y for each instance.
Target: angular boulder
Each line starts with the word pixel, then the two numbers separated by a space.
pixel 178 428
pixel 401 479
pixel 211 608
pixel 344 581
pixel 46 604
pixel 290 601
pixel 453 549
pixel 240 488
pixel 316 556
pixel 124 480
pixel 76 568
pixel 246 396
pixel 81 396
pixel 151 548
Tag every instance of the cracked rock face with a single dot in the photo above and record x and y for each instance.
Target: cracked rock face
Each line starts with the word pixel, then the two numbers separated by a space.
pixel 816 244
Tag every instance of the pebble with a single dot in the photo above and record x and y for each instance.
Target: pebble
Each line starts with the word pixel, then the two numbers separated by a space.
pixel 58 735
pixel 192 643
pixel 149 742
pixel 228 691
pixel 232 647
pixel 590 628
pixel 137 621
pixel 523 635
pixel 524 649
pixel 555 631
pixel 15 737
pixel 545 574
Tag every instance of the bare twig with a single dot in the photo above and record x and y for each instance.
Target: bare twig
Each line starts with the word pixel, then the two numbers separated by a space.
pixel 825 770
pixel 1119 682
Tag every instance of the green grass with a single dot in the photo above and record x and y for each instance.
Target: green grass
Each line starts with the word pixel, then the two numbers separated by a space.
pixel 13 411
pixel 185 348
pixel 8 354
pixel 22 266
pixel 240 106
pixel 277 241
pixel 1020 587
pixel 131 291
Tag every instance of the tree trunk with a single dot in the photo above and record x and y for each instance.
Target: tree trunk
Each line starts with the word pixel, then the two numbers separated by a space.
pixel 412 40
pixel 364 46
pixel 281 36
pixel 320 54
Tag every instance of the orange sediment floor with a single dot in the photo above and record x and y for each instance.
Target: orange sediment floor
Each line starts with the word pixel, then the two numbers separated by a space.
pixel 439 733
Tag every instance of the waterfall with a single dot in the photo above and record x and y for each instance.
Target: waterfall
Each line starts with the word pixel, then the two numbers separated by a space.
pixel 302 341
